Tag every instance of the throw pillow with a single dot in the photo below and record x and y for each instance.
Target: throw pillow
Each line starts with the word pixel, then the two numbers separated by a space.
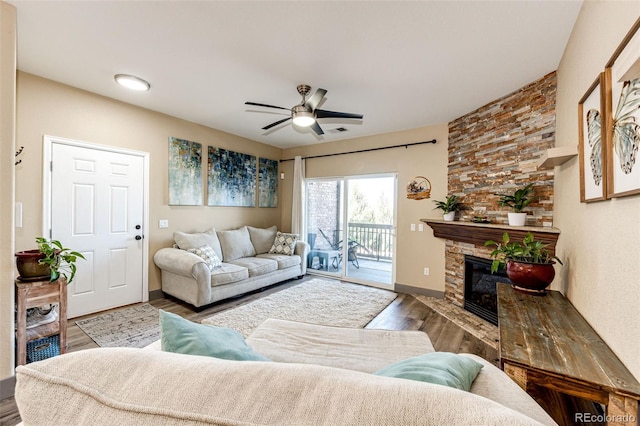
pixel 208 255
pixel 284 243
pixel 236 244
pixel 441 368
pixel 185 337
pixel 262 238
pixel 188 241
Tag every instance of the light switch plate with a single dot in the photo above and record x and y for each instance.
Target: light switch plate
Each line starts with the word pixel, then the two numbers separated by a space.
pixel 163 223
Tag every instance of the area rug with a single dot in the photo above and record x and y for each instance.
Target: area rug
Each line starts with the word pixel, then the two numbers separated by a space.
pixel 317 301
pixel 132 327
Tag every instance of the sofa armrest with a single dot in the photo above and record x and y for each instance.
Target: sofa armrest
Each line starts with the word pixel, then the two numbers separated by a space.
pixel 179 261
pixel 302 249
pixel 188 265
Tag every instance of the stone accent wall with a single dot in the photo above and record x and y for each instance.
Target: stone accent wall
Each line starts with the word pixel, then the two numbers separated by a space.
pixel 495 150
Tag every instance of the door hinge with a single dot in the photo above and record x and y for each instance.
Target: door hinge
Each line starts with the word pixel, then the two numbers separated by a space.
pixel 50 166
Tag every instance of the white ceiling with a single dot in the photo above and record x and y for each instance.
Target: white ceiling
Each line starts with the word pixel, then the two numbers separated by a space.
pixel 403 64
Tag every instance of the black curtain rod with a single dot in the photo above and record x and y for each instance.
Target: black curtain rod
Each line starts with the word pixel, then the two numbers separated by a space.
pixel 405 145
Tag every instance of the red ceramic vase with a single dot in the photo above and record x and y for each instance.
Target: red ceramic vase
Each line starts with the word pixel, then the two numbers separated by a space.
pixel 28 266
pixel 531 277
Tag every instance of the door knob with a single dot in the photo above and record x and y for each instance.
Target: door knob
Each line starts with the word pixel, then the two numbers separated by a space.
pixel 138 237
pixel 138 226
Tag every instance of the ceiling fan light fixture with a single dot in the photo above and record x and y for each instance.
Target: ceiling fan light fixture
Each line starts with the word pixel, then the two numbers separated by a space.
pixel 302 117
pixel 132 82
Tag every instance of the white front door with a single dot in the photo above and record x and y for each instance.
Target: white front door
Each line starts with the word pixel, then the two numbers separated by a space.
pixel 97 208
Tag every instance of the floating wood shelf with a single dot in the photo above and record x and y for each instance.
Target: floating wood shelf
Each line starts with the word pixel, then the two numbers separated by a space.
pixel 478 233
pixel 557 156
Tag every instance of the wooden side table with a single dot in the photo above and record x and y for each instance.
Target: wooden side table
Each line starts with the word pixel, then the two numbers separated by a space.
pixel 544 341
pixel 33 294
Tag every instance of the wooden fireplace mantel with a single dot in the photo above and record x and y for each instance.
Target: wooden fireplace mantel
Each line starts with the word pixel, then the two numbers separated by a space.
pixel 478 233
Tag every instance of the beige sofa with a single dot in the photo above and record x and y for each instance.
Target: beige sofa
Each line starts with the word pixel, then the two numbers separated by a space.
pixel 246 264
pixel 322 377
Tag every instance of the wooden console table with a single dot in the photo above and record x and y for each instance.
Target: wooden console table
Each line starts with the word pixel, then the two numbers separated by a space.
pixel 33 294
pixel 544 341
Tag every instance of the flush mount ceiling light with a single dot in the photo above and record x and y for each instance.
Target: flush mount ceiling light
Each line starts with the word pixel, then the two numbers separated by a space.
pixel 132 82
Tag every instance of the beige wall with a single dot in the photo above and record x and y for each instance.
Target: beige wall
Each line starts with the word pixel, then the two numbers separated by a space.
pixel 49 108
pixel 7 127
pixel 600 242
pixel 415 250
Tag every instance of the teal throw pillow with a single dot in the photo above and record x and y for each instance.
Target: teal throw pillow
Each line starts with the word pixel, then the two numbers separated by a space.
pixel 185 337
pixel 441 368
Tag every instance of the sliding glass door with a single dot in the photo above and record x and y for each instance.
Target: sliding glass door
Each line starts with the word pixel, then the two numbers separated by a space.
pixel 350 226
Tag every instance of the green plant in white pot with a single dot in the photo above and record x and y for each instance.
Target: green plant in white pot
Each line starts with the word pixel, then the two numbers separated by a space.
pixel 520 199
pixel 449 207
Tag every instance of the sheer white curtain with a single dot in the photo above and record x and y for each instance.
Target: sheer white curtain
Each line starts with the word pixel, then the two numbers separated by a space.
pixel 298 203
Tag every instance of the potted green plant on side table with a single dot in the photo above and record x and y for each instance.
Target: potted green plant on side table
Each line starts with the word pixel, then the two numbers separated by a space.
pixel 528 264
pixel 517 201
pixel 50 260
pixel 449 207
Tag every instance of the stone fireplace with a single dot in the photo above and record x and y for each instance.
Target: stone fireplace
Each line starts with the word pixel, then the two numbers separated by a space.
pixel 467 239
pixel 495 150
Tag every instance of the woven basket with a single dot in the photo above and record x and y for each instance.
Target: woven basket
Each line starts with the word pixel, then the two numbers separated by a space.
pixel 419 188
pixel 44 348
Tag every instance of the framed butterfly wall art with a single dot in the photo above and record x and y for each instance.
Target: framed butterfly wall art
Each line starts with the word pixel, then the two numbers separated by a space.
pixel 622 86
pixel 592 135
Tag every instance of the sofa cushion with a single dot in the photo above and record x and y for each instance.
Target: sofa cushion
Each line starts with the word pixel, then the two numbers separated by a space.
pixel 235 244
pixel 228 273
pixel 440 368
pixel 284 243
pixel 284 261
pixel 182 336
pixel 262 238
pixel 189 241
pixel 256 265
pixel 208 255
pixel 365 350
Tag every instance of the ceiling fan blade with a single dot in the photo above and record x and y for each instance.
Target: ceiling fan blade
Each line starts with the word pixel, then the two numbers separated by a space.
pixel 276 123
pixel 266 106
pixel 315 100
pixel 316 128
pixel 321 113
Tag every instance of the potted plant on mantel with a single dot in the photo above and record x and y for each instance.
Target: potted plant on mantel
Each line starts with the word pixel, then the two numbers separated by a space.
pixel 50 260
pixel 517 201
pixel 529 264
pixel 449 207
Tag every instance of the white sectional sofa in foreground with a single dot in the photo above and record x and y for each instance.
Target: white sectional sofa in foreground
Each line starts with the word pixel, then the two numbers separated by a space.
pixel 317 375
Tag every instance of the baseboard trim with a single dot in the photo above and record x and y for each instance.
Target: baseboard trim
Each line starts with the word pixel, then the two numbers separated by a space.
pixel 403 288
pixel 156 294
pixel 7 387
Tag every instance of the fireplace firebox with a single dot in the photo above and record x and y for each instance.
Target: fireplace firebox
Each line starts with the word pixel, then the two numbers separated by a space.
pixel 480 288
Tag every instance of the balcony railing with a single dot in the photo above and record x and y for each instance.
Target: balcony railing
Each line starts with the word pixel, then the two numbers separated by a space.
pixel 375 240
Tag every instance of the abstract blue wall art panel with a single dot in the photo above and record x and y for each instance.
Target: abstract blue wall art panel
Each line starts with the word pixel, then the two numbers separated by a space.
pixel 185 173
pixel 267 183
pixel 231 178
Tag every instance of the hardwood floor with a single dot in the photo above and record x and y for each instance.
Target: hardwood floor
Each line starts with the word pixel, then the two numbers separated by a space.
pixel 404 313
